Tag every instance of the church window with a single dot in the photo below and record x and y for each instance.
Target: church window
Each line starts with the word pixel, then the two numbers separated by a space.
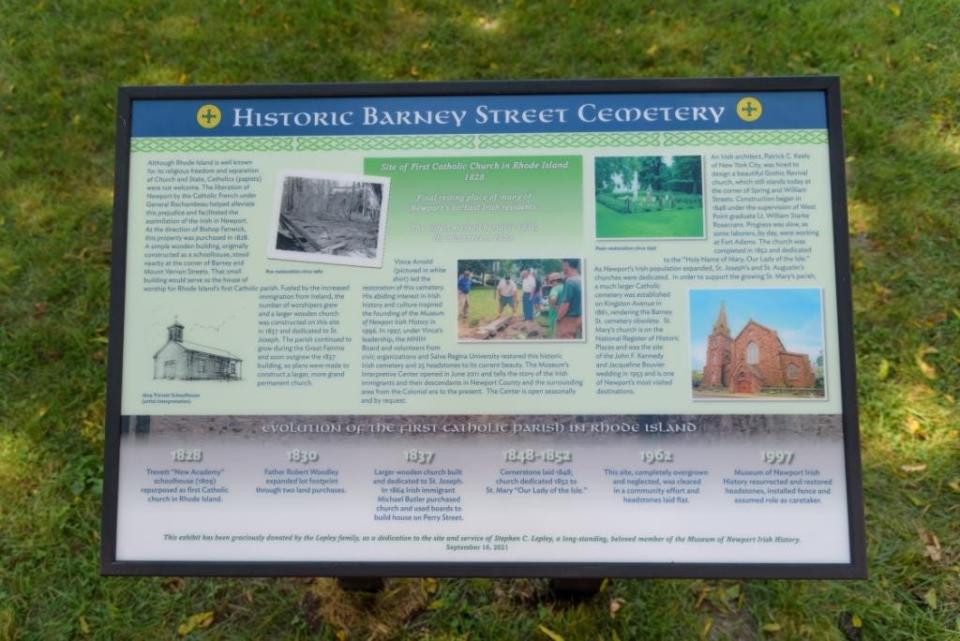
pixel 793 371
pixel 753 354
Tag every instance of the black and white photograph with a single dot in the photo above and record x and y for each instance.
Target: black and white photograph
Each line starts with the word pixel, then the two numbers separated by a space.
pixel 325 217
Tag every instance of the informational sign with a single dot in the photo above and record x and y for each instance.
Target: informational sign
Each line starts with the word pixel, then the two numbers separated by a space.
pixel 593 328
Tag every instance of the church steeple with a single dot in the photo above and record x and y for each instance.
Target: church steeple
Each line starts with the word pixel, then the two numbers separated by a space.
pixel 175 331
pixel 720 325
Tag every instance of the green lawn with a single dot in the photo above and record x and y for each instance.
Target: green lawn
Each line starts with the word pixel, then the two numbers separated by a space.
pixel 60 64
pixel 670 223
pixel 484 307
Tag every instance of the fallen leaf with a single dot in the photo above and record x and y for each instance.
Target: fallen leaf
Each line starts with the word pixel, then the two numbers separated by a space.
pixel 173 584
pixel 935 319
pixel 916 500
pixel 850 625
pixel 653 49
pixel 733 591
pixel 914 427
pixel 84 626
pixel 550 633
pixel 931 598
pixel 918 467
pixel 931 543
pixel 429 585
pixel 771 627
pixel 883 370
pixel 615 605
pixel 707 627
pixel 954 485
pixel 926 368
pixel 894 9
pixel 702 595
pixel 198 621
pixel 342 635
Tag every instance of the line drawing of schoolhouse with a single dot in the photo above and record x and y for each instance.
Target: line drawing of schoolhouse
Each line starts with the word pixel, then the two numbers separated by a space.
pixel 185 361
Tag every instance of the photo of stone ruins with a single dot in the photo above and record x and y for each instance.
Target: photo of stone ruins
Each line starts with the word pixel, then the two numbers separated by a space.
pixel 755 362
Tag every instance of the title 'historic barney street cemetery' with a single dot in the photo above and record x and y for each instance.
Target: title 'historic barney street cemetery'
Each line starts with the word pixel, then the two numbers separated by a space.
pixel 649 197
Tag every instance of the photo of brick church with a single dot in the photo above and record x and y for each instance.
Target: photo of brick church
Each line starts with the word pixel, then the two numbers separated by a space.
pixel 755 360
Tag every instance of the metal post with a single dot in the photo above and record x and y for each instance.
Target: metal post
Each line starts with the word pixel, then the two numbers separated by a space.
pixel 360 583
pixel 575 589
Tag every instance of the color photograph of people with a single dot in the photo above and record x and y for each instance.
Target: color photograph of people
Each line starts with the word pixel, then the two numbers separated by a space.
pixel 520 299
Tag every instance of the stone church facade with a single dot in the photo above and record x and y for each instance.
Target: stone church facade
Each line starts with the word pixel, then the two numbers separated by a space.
pixel 752 361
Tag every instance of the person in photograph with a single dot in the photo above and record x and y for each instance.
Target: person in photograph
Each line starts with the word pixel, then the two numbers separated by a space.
pixel 570 311
pixel 528 283
pixel 537 294
pixel 463 293
pixel 555 284
pixel 506 293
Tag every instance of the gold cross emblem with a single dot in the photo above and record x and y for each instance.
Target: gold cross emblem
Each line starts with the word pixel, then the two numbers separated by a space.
pixel 208 116
pixel 749 109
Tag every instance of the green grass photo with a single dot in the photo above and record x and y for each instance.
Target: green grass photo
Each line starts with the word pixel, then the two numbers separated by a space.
pixel 649 197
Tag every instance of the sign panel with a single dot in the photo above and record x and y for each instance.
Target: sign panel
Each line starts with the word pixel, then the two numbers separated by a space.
pixel 551 328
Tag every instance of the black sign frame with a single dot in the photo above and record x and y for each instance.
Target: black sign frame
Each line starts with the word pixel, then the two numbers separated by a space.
pixel 829 85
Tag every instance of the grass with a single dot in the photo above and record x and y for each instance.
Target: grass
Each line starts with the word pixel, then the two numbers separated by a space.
pixel 484 308
pixel 60 63
pixel 669 223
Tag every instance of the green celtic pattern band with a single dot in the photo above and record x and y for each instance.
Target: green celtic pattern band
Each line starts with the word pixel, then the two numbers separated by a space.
pixel 180 145
pixel 583 140
pixel 763 137
pixel 383 143
pixel 485 141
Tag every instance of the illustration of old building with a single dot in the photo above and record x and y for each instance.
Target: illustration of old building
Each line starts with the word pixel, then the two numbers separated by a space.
pixel 181 360
pixel 753 361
